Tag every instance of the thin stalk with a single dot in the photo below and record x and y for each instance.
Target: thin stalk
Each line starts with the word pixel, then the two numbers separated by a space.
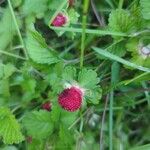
pixel 120 4
pixel 84 21
pixel 115 69
pixel 103 122
pixel 12 55
pixel 111 120
pixel 97 32
pixel 146 93
pixel 17 28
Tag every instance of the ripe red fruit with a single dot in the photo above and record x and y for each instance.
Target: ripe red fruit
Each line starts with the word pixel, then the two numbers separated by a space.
pixel 59 20
pixel 71 99
pixel 47 106
pixel 71 2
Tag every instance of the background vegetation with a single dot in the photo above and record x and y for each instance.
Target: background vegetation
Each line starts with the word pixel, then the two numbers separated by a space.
pixel 104 47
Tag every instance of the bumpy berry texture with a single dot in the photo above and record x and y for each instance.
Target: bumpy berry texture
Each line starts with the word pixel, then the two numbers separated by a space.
pixel 59 20
pixel 47 106
pixel 71 99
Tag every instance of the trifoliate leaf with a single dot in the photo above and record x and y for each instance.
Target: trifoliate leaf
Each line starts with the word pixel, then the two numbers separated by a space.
pixel 88 78
pixel 145 8
pixel 38 124
pixel 7 29
pixel 10 130
pixel 69 74
pixel 94 96
pixel 120 20
pixel 35 7
pixel 38 50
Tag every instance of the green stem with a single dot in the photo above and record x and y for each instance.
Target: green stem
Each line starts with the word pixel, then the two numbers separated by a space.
pixel 115 69
pixel 84 21
pixel 17 28
pixel 146 93
pixel 12 55
pixel 120 4
pixel 111 120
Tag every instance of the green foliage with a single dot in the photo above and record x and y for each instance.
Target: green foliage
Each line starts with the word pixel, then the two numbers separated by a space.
pixel 35 7
pixel 121 20
pixel 7 29
pixel 84 79
pixel 145 7
pixel 54 65
pixel 7 70
pixel 10 130
pixel 38 49
pixel 69 74
pixel 38 124
pixel 143 147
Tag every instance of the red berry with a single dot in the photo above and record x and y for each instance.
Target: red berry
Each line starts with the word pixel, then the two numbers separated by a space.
pixel 71 2
pixel 71 99
pixel 47 106
pixel 29 139
pixel 59 20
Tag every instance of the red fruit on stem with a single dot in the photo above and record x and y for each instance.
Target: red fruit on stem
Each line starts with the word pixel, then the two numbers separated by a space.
pixel 71 99
pixel 29 139
pixel 59 20
pixel 71 2
pixel 47 106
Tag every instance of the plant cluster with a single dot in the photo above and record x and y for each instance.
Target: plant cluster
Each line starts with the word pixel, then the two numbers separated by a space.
pixel 74 75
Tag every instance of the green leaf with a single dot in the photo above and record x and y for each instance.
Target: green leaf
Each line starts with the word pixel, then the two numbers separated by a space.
pixel 120 20
pixel 7 29
pixel 53 4
pixel 38 124
pixel 4 88
pixel 143 147
pixel 69 74
pixel 9 128
pixel 35 7
pixel 94 96
pixel 73 16
pixel 6 70
pixel 65 140
pixel 145 8
pixel 118 59
pixel 88 78
pixel 38 50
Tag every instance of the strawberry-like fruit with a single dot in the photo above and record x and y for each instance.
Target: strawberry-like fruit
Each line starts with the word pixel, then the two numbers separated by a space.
pixel 71 99
pixel 47 106
pixel 59 20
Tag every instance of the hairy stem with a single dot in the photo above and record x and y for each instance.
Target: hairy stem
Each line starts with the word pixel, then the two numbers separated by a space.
pixel 84 21
pixel 17 28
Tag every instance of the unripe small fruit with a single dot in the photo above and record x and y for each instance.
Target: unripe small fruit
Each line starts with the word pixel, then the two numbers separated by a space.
pixel 59 20
pixel 47 106
pixel 71 98
pixel 71 2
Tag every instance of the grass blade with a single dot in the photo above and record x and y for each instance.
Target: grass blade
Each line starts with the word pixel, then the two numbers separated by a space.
pixel 118 59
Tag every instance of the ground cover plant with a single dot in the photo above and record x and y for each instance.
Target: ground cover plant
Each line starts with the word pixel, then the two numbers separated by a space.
pixel 74 75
